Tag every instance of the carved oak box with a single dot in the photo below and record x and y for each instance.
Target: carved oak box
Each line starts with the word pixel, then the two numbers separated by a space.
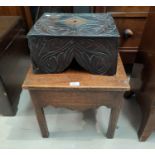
pixel 91 39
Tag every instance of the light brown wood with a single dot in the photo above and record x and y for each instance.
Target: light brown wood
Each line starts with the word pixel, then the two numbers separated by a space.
pixel 77 99
pixel 40 117
pixel 114 117
pixel 87 80
pixel 94 91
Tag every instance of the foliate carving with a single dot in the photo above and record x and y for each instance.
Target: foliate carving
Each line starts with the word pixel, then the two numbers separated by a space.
pixel 92 39
pixel 96 55
pixel 54 55
pixel 51 55
pixel 84 24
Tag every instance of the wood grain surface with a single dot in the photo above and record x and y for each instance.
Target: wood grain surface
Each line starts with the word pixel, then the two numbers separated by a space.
pixel 87 80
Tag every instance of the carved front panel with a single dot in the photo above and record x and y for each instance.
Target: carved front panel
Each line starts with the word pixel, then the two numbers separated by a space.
pixel 54 55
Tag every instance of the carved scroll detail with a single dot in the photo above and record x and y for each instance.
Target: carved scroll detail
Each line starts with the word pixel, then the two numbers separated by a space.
pixel 96 56
pixel 54 55
pixel 51 55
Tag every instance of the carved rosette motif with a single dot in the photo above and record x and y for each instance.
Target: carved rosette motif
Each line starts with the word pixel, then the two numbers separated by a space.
pixel 56 39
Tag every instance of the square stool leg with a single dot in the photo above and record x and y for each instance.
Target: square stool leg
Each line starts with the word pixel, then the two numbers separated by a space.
pixel 114 115
pixel 40 116
pixel 42 122
pixel 115 110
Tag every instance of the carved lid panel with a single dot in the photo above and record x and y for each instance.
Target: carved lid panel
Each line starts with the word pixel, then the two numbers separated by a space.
pixel 74 25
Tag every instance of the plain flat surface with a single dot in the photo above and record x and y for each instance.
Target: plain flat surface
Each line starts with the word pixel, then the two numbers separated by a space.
pixel 7 23
pixel 71 129
pixel 86 80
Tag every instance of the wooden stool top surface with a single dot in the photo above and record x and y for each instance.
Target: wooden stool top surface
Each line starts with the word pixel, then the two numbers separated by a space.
pixel 79 80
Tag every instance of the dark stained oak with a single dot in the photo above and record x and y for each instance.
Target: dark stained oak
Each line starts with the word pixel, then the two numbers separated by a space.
pixel 136 26
pixel 143 78
pixel 131 18
pixel 14 62
pixel 126 9
pixel 93 91
pixel 22 11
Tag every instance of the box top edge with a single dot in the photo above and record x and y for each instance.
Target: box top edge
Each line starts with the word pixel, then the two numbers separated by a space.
pixel 75 24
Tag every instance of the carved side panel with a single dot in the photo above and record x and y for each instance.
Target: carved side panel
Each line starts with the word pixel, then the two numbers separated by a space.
pixel 98 56
pixel 50 55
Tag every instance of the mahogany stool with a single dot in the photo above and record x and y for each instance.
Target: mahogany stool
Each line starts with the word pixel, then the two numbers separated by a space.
pixel 78 90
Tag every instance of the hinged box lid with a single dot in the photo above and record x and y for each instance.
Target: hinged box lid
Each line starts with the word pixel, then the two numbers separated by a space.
pixel 75 25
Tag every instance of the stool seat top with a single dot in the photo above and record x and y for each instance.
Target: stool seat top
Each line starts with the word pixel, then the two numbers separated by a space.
pixel 75 79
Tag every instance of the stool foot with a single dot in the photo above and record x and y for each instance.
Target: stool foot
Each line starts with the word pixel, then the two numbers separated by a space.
pixel 40 115
pixel 113 122
pixel 146 127
pixel 42 122
pixel 45 136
